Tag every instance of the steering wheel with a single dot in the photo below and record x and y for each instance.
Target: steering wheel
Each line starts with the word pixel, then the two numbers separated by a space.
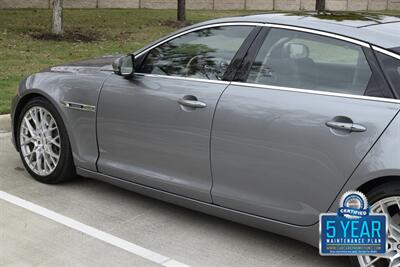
pixel 217 67
pixel 189 64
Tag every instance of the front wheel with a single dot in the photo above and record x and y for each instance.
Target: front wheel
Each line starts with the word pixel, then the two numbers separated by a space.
pixel 43 143
pixel 385 198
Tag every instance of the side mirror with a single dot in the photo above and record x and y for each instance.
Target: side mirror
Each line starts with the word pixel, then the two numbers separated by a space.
pixel 125 66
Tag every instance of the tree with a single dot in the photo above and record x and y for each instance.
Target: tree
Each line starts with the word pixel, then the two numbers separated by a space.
pixel 320 6
pixel 57 25
pixel 181 10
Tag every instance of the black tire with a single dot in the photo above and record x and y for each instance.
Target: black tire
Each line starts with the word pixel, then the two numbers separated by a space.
pixel 385 190
pixel 65 169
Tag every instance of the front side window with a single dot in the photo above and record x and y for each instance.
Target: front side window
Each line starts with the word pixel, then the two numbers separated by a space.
pixel 295 59
pixel 204 54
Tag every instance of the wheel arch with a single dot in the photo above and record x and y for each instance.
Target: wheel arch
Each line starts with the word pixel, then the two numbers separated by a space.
pixel 25 98
pixel 371 184
pixel 64 168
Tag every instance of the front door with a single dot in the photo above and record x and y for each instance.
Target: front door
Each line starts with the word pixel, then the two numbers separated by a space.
pixel 154 129
pixel 287 138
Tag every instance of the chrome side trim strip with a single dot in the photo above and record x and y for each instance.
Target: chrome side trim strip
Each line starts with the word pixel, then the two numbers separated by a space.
pixel 200 28
pixel 322 33
pixel 280 88
pixel 78 106
pixel 307 91
pixel 318 32
pixel 386 52
pixel 278 26
pixel 182 78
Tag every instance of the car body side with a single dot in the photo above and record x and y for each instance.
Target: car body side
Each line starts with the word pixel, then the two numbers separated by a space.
pixel 78 84
pixel 82 83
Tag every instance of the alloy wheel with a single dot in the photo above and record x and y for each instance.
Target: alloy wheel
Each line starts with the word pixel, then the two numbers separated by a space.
pixel 391 207
pixel 39 141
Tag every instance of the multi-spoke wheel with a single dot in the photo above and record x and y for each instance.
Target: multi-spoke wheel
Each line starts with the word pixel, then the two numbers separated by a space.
pixel 385 199
pixel 40 141
pixel 43 143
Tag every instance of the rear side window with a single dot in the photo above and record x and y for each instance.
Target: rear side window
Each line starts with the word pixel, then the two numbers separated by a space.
pixel 204 54
pixel 295 59
pixel 391 68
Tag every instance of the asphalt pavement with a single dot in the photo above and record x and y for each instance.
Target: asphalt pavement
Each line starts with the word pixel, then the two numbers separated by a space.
pixel 109 226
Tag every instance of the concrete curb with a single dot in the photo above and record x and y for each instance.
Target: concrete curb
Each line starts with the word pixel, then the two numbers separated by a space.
pixel 5 123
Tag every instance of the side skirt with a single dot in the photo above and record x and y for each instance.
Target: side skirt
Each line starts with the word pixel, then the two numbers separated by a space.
pixel 306 234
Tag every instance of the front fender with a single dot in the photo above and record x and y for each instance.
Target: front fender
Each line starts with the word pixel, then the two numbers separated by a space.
pixel 61 87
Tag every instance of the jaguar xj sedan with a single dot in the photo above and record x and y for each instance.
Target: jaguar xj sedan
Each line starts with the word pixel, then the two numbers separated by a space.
pixel 265 120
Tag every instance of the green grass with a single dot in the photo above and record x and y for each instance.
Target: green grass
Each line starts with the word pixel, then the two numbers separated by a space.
pixel 116 30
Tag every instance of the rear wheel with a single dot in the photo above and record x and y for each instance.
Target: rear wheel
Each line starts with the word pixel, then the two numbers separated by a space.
pixel 385 199
pixel 43 143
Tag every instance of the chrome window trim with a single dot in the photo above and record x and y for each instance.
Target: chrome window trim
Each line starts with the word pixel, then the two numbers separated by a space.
pixel 277 26
pixel 182 78
pixel 316 92
pixel 196 29
pixel 259 24
pixel 255 24
pixel 279 88
pixel 386 52
pixel 318 32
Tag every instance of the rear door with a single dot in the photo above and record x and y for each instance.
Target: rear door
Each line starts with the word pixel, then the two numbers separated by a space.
pixel 291 131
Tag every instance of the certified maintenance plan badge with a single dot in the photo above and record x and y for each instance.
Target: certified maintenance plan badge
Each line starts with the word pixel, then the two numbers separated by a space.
pixel 353 230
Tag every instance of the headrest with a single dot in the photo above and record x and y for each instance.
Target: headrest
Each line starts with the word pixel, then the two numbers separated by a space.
pixel 295 51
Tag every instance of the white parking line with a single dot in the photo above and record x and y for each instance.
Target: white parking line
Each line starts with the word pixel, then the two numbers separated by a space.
pixel 93 232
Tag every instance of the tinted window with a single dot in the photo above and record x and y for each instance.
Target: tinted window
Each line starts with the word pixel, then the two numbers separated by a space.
pixel 308 61
pixel 397 50
pixel 202 54
pixel 391 67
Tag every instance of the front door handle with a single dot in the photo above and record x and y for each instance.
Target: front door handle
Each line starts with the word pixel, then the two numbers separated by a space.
pixel 191 103
pixel 346 126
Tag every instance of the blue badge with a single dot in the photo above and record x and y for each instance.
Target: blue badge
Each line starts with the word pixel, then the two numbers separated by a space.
pixel 353 230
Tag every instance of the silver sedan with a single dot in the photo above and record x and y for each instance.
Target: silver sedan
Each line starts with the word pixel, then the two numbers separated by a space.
pixel 265 120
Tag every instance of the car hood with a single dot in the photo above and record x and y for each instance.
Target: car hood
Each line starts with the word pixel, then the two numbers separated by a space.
pixel 99 64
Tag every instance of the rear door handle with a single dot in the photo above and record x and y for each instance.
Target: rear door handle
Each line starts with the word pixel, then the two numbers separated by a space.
pixel 346 126
pixel 192 103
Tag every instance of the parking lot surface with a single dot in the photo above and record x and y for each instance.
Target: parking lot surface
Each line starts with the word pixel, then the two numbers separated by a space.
pixel 182 235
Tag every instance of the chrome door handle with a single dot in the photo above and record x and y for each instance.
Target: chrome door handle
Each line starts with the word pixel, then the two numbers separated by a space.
pixel 346 126
pixel 192 103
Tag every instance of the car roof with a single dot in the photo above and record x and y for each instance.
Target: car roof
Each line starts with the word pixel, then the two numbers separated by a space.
pixel 379 30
